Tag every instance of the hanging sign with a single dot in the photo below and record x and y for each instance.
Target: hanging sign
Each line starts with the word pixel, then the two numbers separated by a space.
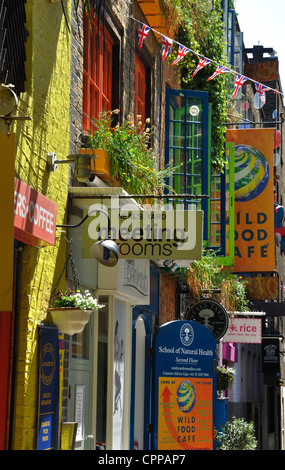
pixel 211 314
pixel 270 355
pixel 48 419
pixel 34 216
pixel 254 200
pixel 243 330
pixel 147 234
pixel 185 386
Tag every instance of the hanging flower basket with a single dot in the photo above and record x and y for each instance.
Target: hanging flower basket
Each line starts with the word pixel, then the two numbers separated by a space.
pixel 71 310
pixel 70 320
pixel 225 376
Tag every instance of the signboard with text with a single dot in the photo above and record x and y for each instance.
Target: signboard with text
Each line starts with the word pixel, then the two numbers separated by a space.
pixel 48 418
pixel 34 216
pixel 243 330
pixel 146 234
pixel 185 386
pixel 254 199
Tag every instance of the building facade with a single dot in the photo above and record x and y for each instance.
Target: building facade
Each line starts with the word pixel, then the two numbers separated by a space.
pixel 103 397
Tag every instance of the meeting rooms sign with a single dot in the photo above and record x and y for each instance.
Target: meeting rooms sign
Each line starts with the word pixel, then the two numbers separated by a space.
pixel 147 233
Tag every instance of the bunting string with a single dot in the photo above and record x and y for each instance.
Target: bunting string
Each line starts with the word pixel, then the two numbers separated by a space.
pixel 167 44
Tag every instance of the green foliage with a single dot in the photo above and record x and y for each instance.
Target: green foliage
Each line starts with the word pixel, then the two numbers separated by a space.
pixel 237 434
pixel 132 160
pixel 76 299
pixel 206 276
pixel 225 376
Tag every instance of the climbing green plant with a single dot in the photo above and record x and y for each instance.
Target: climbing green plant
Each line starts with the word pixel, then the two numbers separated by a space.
pixel 199 26
pixel 207 279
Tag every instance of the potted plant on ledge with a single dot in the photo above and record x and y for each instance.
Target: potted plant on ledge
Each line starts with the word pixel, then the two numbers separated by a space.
pixel 124 154
pixel 72 309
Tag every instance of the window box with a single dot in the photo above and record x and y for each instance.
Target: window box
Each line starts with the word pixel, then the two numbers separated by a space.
pixel 99 166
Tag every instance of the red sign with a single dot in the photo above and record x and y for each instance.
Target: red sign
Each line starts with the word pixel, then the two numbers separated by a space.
pixel 34 216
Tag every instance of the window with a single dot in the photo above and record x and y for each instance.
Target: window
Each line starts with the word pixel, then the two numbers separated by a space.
pixel 97 72
pixel 13 34
pixel 140 89
pixel 187 147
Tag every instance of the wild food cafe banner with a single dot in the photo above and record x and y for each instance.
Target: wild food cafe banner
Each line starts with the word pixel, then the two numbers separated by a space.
pixel 254 199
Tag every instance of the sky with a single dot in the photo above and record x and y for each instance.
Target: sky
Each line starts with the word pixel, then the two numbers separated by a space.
pixel 263 22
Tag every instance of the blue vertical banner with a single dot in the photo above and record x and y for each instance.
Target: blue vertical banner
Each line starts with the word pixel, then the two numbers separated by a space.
pixel 48 419
pixel 185 386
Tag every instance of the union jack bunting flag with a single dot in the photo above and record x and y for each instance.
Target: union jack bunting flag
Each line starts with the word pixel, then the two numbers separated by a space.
pixel 202 63
pixel 142 33
pixel 240 79
pixel 261 90
pixel 166 46
pixel 182 51
pixel 220 69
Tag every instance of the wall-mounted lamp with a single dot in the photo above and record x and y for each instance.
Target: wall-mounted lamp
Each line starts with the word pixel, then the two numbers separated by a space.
pixel 105 252
pixel 80 160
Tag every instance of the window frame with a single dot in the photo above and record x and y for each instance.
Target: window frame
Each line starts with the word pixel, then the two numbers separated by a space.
pixel 140 89
pixel 205 148
pixel 97 71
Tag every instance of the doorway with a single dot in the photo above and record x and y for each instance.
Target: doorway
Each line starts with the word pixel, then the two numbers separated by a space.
pixel 80 385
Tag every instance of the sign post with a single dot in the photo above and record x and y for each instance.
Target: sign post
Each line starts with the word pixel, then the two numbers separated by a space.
pixel 185 387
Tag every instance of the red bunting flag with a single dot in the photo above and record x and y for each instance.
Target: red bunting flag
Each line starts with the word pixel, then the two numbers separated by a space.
pixel 166 46
pixel 182 51
pixel 202 63
pixel 240 79
pixel 142 33
pixel 220 69
pixel 261 90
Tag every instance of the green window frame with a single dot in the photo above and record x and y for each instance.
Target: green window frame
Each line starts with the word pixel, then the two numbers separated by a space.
pixel 187 149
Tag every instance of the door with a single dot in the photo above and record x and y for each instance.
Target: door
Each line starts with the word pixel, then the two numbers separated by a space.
pixel 141 380
pixel 80 387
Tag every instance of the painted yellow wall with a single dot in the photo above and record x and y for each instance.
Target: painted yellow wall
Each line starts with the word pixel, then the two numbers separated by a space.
pixel 46 101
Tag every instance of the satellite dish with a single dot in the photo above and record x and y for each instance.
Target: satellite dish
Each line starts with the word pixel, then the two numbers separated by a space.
pixel 8 100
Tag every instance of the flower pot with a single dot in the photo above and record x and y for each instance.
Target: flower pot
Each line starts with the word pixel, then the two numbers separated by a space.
pixel 70 320
pixel 100 166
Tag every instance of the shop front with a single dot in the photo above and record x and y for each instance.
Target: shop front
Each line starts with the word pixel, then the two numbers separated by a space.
pixel 100 358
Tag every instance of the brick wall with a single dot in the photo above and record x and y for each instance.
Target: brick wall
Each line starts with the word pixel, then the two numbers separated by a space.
pixel 117 18
pixel 46 101
pixel 167 291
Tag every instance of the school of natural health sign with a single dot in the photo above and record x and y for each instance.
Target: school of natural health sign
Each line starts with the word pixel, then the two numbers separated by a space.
pixel 185 386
